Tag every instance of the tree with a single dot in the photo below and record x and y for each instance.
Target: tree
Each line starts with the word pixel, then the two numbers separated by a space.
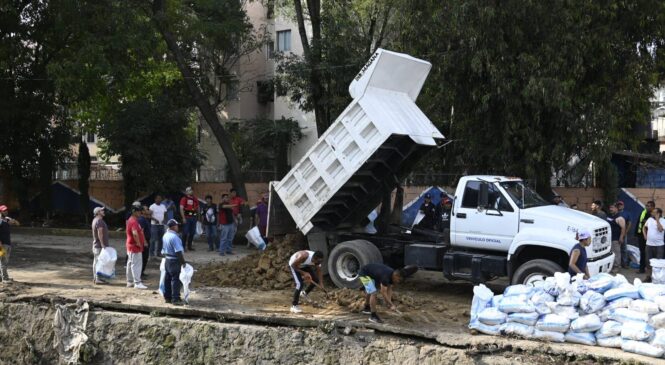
pixel 84 178
pixel 525 86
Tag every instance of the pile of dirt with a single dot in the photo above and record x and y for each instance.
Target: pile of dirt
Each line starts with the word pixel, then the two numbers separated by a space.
pixel 261 270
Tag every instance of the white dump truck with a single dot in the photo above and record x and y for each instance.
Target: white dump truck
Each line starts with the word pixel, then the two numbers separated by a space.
pixel 499 227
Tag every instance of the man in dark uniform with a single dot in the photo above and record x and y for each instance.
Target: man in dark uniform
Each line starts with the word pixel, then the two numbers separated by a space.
pixel 429 210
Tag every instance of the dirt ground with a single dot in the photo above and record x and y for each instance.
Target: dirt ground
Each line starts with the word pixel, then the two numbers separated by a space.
pixel 62 266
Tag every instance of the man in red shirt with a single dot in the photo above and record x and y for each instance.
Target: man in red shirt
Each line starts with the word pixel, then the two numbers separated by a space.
pixel 237 202
pixel 227 226
pixel 135 243
pixel 189 211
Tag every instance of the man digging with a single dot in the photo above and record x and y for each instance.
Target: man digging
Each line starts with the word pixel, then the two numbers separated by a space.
pixel 370 275
pixel 302 265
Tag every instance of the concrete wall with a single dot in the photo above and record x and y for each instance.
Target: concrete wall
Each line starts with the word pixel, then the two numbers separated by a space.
pixel 583 197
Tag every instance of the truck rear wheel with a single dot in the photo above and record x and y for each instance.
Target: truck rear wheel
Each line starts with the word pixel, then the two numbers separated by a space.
pixel 347 258
pixel 535 270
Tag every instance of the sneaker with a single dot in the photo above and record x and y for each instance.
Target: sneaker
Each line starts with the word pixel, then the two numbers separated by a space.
pixel 192 249
pixel 167 301
pixel 178 303
pixel 140 286
pixel 295 309
pixel 367 310
pixel 130 285
pixel 375 319
pixel 100 282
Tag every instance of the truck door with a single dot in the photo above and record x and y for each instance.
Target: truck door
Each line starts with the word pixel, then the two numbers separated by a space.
pixel 491 227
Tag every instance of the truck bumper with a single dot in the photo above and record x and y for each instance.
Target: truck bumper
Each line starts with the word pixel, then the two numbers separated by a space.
pixel 603 264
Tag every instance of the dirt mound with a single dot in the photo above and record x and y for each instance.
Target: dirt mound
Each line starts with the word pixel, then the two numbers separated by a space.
pixel 261 270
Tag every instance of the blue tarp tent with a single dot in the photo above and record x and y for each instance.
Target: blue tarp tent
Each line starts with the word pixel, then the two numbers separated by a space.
pixel 410 210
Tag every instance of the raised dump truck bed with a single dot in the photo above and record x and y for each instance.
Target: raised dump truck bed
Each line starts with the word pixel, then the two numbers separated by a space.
pixel 372 145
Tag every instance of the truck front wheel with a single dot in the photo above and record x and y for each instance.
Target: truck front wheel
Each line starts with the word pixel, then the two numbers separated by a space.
pixel 347 258
pixel 535 270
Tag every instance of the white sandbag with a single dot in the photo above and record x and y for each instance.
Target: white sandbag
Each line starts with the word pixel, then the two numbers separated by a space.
pixel 541 297
pixel 614 341
pixel 519 289
pixel 657 271
pixel 106 260
pixel 644 306
pixel 660 300
pixel 254 237
pixel 549 336
pixel 516 304
pixel 609 329
pixel 623 291
pixel 199 230
pixel 549 286
pixel 543 308
pixel 492 316
pixel 186 274
pixel 642 348
pixel 649 291
pixel 486 329
pixel 482 296
pixel 601 282
pixel 633 254
pixel 588 323
pixel 496 300
pixel 569 297
pixel 592 302
pixel 604 314
pixel 638 331
pixel 528 319
pixel 625 315
pixel 619 280
pixel 659 339
pixel 566 311
pixel 620 303
pixel 517 329
pixel 657 321
pixel 584 338
pixel 553 323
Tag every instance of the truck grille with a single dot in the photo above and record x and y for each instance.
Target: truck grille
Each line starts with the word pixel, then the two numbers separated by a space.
pixel 601 240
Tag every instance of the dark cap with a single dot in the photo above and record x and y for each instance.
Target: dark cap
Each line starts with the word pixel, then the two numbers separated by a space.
pixel 172 222
pixel 428 196
pixel 447 201
pixel 619 202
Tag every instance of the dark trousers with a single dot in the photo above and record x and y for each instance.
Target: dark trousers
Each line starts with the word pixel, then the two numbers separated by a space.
pixel 642 244
pixel 172 281
pixel 300 283
pixel 189 231
pixel 144 258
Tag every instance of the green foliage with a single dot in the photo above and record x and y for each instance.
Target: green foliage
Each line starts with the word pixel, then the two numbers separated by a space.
pixel 157 143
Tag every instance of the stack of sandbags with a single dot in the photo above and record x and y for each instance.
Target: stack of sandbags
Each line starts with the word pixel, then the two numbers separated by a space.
pixel 605 311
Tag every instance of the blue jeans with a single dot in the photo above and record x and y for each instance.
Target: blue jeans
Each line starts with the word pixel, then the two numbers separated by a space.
pixel 226 238
pixel 211 234
pixel 189 231
pixel 172 281
pixel 233 234
pixel 156 233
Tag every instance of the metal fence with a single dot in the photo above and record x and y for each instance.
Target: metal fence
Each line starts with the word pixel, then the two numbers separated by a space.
pixel 101 173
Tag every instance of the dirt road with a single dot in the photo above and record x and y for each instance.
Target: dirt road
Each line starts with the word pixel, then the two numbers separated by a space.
pixel 58 266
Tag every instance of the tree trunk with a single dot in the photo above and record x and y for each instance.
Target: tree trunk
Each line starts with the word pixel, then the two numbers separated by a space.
pixel 84 179
pixel 201 101
pixel 46 165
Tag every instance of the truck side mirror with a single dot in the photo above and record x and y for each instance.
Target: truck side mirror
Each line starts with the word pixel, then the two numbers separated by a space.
pixel 483 195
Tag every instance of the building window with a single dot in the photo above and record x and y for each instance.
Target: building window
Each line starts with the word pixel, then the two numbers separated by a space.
pixel 284 41
pixel 270 50
pixel 90 138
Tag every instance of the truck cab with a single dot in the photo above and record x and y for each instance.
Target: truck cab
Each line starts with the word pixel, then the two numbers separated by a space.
pixel 509 230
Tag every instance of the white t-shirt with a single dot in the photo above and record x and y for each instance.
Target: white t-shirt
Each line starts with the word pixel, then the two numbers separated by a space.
pixel 158 212
pixel 654 236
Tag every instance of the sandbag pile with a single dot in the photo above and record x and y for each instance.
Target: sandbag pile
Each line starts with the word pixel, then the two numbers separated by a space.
pixel 605 310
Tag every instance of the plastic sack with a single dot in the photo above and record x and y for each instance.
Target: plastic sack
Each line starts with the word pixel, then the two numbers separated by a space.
pixel 519 289
pixel 660 300
pixel 619 303
pixel 516 304
pixel 486 329
pixel 658 271
pixel 548 336
pixel 254 237
pixel 642 348
pixel 491 316
pixel 633 254
pixel 609 329
pixel 553 323
pixel 584 338
pixel 549 287
pixel 588 323
pixel 600 282
pixel 649 291
pixel 568 294
pixel 659 339
pixel 543 308
pixel 541 297
pixel 657 321
pixel 106 260
pixel 604 315
pixel 638 331
pixel 644 306
pixel 625 315
pixel 528 319
pixel 517 329
pixel 619 280
pixel 623 291
pixel 481 298
pixel 614 341
pixel 592 302
pixel 186 278
pixel 496 300
pixel 565 311
pixel 199 230
pixel 162 277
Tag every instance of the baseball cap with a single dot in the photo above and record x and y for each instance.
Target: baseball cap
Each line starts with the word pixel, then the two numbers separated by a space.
pixel 3 208
pixel 172 222
pixel 583 234
pixel 97 210
pixel 136 208
pixel 620 202
pixel 447 200
pixel 189 190
pixel 428 196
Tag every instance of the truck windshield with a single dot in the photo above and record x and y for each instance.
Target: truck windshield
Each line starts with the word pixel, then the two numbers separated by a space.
pixel 522 195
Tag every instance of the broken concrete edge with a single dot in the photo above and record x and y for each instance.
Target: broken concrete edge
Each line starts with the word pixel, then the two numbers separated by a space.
pixel 74 232
pixel 462 341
